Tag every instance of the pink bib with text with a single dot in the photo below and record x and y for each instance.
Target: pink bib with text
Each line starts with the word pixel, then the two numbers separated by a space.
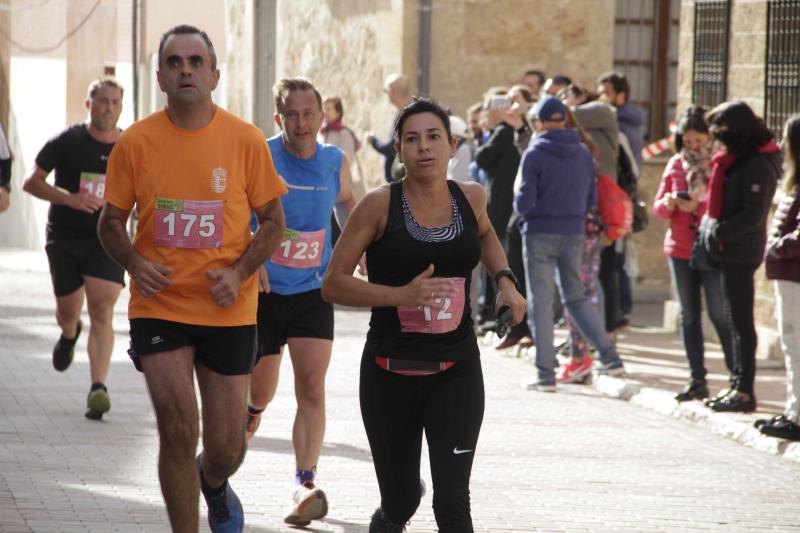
pixel 93 183
pixel 188 224
pixel 442 318
pixel 300 249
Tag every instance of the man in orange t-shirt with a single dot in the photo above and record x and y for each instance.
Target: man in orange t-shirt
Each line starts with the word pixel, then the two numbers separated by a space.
pixel 193 172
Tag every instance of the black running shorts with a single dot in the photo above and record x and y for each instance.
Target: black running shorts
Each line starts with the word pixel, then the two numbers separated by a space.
pixel 225 350
pixel 71 259
pixel 296 315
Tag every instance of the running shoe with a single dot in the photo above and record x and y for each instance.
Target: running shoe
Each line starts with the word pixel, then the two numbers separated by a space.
pixel 253 421
pixel 64 350
pixel 225 513
pixel 97 403
pixel 309 504
pixel 381 524
pixel 615 368
pixel 575 371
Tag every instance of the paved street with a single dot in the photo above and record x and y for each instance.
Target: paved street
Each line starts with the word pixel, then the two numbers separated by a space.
pixel 574 461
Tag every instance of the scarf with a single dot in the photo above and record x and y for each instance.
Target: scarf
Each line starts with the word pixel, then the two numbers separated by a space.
pixel 720 163
pixel 697 166
pixel 338 125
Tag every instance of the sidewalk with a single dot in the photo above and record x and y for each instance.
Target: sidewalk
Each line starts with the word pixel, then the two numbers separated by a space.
pixel 657 369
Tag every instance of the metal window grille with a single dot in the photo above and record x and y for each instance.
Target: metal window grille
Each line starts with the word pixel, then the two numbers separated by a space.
pixel 783 62
pixel 711 23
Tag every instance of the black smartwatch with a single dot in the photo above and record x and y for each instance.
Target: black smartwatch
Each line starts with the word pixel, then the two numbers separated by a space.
pixel 508 273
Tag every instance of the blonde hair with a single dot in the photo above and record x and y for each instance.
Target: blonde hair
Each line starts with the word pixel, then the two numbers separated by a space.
pixel 287 85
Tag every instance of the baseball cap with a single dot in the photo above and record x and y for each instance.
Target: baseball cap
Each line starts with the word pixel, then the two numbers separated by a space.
pixel 550 109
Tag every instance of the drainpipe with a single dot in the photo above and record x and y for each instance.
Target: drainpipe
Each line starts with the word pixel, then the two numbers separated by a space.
pixel 424 60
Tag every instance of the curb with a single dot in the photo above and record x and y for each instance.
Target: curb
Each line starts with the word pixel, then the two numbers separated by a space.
pixel 724 424
pixel 729 425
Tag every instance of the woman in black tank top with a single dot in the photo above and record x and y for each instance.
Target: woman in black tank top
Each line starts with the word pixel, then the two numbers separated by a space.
pixel 420 368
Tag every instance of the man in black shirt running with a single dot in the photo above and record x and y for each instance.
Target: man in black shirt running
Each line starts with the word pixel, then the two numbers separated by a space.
pixel 79 267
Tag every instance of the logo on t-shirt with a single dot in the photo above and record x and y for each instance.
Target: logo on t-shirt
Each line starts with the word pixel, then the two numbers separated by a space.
pixel 219 180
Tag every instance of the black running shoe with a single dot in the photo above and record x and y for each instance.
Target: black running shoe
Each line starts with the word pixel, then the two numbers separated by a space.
pixel 381 524
pixel 64 350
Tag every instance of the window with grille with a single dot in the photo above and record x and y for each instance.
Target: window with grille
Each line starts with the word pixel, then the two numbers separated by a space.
pixel 711 23
pixel 783 62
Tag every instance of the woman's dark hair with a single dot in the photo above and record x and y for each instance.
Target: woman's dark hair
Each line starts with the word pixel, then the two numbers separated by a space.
pixel 736 126
pixel 791 150
pixel 337 105
pixel 693 119
pixel 421 105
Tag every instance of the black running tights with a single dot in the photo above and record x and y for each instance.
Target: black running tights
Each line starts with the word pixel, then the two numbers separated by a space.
pixel 449 407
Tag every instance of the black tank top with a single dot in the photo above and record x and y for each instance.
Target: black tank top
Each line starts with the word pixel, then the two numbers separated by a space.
pixel 421 333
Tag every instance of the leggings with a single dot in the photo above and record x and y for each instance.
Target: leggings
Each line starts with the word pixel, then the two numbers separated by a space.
pixel 449 407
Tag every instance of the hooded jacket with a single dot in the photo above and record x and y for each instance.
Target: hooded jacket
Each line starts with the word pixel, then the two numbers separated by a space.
pixel 783 245
pixel 556 185
pixel 599 119
pixel 631 123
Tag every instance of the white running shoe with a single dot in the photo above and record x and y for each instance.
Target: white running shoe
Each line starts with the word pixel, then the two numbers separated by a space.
pixel 310 504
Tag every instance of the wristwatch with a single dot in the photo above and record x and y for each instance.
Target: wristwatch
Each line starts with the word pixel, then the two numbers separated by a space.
pixel 507 273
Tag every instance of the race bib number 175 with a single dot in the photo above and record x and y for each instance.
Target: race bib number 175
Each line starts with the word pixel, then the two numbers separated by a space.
pixel 188 224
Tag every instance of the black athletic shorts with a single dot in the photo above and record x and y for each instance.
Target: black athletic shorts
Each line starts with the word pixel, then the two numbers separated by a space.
pixel 71 259
pixel 295 315
pixel 230 351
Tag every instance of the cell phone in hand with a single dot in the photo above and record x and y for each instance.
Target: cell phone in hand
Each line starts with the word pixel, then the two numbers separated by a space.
pixel 504 317
pixel 683 195
pixel 499 101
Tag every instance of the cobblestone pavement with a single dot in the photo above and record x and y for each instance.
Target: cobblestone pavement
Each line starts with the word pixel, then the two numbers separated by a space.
pixel 572 461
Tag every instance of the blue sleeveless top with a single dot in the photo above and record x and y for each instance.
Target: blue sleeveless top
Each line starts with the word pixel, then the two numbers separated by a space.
pixel 301 259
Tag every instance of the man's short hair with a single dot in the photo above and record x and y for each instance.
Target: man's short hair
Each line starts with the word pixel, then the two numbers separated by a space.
pixel 538 73
pixel 560 79
pixel 618 82
pixel 284 86
pixel 103 81
pixel 186 29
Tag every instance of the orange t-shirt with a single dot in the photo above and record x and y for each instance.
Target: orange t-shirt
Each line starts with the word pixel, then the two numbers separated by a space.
pixel 193 191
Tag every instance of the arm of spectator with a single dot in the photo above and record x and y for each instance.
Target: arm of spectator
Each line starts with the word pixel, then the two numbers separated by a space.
pixel 756 202
pixel 525 185
pixel 498 142
pixel 664 202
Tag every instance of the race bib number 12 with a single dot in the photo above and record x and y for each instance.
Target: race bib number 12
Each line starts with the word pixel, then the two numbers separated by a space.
pixel 188 224
pixel 442 318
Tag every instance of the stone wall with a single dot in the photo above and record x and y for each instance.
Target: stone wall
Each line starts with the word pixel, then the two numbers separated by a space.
pixel 653 269
pixel 348 48
pixel 480 43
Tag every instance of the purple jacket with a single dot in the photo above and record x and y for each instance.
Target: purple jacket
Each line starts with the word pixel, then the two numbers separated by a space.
pixel 783 245
pixel 556 184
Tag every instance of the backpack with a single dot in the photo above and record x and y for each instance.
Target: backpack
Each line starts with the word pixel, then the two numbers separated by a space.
pixel 615 207
pixel 627 180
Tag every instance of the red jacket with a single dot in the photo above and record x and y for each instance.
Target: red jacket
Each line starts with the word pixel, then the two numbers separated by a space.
pixel 682 226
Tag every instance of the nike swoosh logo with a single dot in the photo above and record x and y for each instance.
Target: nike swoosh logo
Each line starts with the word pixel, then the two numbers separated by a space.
pixel 456 451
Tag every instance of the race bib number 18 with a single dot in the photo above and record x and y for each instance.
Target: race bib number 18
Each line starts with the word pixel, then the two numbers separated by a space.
pixel 93 183
pixel 188 224
pixel 442 318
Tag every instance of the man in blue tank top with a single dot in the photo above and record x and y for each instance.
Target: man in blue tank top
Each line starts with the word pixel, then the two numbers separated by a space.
pixel 290 308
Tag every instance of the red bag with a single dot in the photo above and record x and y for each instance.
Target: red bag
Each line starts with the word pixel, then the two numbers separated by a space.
pixel 615 207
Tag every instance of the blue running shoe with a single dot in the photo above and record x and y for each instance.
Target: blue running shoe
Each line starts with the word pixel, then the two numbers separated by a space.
pixel 225 514
pixel 615 368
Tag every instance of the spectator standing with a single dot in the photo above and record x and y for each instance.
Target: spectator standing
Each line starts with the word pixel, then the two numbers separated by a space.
pixel 5 172
pixel 534 79
pixel 744 175
pixel 458 168
pixel 398 89
pixel 555 190
pixel 783 266
pixel 555 84
pixel 334 131
pixel 681 199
